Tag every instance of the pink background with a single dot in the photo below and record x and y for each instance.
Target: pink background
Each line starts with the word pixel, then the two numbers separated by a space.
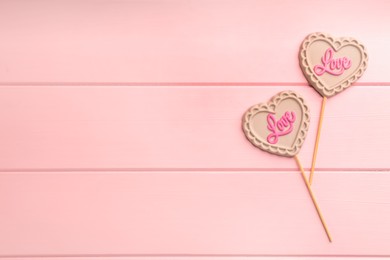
pixel 120 131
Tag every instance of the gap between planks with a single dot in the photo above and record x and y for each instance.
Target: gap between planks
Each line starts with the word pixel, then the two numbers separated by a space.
pixel 189 257
pixel 189 170
pixel 167 84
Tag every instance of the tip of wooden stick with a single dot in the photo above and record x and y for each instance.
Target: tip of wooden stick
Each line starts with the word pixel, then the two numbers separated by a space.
pixel 310 179
pixel 329 237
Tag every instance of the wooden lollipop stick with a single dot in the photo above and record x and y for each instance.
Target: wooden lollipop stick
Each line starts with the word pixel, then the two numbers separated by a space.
pixel 313 161
pixel 313 198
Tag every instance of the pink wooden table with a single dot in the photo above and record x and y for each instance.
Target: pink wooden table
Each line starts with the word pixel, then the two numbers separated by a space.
pixel 121 131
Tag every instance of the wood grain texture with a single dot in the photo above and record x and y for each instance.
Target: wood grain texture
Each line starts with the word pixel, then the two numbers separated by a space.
pixel 103 41
pixel 192 213
pixel 125 128
pixel 96 163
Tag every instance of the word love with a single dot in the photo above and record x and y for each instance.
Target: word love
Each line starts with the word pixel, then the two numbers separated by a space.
pixel 281 127
pixel 332 66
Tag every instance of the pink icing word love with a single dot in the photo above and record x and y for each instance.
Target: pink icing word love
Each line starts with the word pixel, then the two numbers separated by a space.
pixel 281 127
pixel 332 66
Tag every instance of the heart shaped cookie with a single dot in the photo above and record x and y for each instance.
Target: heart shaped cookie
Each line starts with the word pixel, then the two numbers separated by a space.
pixel 279 126
pixel 332 64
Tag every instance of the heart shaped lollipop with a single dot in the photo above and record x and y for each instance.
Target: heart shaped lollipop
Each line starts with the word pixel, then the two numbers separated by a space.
pixel 331 64
pixel 279 126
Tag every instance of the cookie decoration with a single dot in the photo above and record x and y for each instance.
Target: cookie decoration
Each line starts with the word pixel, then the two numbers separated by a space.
pixel 332 64
pixel 280 127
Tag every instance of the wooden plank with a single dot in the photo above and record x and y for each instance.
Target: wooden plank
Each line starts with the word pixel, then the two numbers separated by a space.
pixel 175 41
pixel 192 213
pixel 124 128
